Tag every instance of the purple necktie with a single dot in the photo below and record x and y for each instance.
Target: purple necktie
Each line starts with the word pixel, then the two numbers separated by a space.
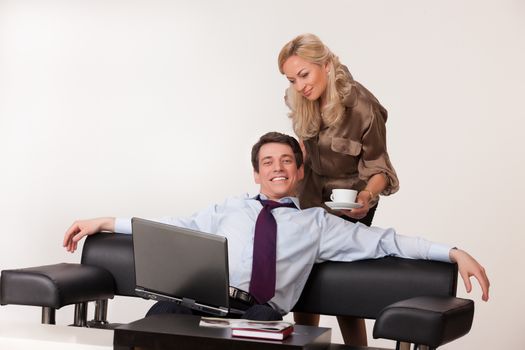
pixel 262 283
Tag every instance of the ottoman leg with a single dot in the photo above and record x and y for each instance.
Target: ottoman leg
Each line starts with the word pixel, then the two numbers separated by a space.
pixel 101 312
pixel 48 315
pixel 401 345
pixel 422 347
pixel 80 314
pixel 406 346
pixel 100 319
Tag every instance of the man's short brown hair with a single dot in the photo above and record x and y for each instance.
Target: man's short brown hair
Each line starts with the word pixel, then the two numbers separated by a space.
pixel 277 137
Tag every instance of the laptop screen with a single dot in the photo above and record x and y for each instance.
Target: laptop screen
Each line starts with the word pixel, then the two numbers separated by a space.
pixel 181 265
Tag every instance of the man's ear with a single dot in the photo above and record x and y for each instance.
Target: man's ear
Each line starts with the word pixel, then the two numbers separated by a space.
pixel 256 177
pixel 300 172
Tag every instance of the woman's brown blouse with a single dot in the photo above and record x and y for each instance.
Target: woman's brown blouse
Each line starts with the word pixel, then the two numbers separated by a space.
pixel 347 154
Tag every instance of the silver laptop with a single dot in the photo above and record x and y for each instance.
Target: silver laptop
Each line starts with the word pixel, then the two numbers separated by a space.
pixel 181 265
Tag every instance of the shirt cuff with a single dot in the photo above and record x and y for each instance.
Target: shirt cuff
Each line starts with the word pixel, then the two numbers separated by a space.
pixel 439 252
pixel 123 225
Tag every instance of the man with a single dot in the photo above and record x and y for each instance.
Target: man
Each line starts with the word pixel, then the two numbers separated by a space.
pixel 304 237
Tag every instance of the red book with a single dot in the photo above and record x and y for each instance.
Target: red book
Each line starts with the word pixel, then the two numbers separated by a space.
pixel 265 332
pixel 276 330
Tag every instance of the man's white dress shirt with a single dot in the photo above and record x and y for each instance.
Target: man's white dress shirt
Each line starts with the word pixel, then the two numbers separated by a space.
pixel 304 237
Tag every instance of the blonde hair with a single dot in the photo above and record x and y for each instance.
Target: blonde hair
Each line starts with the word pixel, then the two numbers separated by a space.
pixel 306 114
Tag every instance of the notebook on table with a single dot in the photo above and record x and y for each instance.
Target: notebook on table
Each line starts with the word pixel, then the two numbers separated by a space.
pixel 181 265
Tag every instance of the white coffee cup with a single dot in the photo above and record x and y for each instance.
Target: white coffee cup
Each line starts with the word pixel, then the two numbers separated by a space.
pixel 342 195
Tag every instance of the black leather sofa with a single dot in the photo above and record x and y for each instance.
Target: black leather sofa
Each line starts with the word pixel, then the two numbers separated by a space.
pixel 412 301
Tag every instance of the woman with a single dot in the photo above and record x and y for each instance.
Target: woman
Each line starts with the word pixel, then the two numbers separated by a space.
pixel 341 126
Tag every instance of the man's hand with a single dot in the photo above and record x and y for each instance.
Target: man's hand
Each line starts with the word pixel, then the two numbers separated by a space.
pixel 468 266
pixel 81 228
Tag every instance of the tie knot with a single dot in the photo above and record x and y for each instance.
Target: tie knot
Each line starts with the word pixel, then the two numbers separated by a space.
pixel 273 204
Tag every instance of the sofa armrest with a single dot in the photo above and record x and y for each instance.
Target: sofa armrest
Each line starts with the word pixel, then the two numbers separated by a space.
pixel 113 252
pixel 364 288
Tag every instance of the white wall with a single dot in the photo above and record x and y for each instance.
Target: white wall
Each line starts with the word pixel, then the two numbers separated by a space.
pixel 149 108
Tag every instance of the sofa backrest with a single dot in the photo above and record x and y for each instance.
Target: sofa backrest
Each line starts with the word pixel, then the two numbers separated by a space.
pixel 360 288
pixel 363 288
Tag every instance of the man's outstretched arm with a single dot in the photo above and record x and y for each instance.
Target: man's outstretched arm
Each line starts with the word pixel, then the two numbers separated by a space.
pixel 468 266
pixel 82 228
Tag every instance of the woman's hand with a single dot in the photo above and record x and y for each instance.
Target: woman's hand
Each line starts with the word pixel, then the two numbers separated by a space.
pixel 376 184
pixel 364 199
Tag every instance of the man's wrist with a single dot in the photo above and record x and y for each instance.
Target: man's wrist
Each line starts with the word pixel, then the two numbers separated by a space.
pixel 452 254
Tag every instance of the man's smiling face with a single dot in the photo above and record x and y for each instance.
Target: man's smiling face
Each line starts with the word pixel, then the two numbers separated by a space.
pixel 278 174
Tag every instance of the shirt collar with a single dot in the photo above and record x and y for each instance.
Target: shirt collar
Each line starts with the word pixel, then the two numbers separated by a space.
pixel 290 199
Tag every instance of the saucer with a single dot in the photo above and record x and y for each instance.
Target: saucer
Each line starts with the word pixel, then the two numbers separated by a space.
pixel 342 205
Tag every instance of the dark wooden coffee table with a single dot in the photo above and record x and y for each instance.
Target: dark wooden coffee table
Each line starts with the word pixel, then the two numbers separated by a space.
pixel 183 332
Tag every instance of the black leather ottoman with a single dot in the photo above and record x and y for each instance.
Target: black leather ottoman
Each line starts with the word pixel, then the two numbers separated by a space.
pixel 54 286
pixel 430 321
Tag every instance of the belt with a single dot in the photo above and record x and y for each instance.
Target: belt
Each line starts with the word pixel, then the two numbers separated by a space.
pixel 241 295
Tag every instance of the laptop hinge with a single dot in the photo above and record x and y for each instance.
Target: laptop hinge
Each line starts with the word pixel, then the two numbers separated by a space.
pixel 187 302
